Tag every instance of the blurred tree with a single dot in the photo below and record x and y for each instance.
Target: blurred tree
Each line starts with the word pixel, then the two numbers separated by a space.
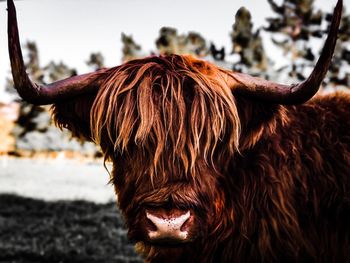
pixel 339 73
pixel 96 61
pixel 217 54
pixel 27 120
pixel 248 45
pixel 297 22
pixel 56 71
pixel 169 42
pixel 9 87
pixel 300 25
pixel 296 19
pixel 33 65
pixel 131 50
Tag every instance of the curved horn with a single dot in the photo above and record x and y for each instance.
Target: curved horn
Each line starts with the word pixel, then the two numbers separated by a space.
pixel 297 93
pixel 43 94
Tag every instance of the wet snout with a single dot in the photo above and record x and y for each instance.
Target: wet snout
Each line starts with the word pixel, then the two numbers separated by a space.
pixel 169 226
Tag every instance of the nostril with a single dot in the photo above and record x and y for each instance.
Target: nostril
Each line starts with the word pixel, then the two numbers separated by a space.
pixel 150 225
pixel 187 224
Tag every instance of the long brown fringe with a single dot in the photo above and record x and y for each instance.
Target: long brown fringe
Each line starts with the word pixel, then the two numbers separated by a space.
pixel 169 110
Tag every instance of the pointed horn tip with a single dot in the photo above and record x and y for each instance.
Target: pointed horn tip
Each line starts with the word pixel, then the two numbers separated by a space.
pixel 11 9
pixel 10 5
pixel 338 8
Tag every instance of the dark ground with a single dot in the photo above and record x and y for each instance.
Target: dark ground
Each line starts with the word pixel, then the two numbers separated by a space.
pixel 79 231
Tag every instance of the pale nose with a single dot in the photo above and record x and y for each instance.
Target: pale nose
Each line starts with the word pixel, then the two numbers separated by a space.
pixel 168 227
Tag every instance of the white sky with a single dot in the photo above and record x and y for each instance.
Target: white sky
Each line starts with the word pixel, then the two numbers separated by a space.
pixel 69 30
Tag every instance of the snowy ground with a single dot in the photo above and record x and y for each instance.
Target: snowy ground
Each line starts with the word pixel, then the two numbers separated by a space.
pixel 58 179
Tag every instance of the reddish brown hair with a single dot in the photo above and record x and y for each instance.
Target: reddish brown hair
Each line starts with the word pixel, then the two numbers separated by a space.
pixel 153 103
pixel 171 126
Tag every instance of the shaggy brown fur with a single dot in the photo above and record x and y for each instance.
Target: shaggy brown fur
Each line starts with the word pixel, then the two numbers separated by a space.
pixel 267 183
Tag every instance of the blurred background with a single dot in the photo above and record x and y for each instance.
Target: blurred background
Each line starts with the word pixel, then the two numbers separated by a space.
pixel 55 201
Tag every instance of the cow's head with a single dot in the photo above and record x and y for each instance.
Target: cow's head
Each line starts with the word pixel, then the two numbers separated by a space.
pixel 170 125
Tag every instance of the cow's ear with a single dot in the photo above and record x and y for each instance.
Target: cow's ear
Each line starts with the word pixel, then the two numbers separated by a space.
pixel 258 119
pixel 74 115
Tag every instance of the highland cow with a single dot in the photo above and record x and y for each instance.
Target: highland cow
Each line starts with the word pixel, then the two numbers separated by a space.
pixel 211 165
